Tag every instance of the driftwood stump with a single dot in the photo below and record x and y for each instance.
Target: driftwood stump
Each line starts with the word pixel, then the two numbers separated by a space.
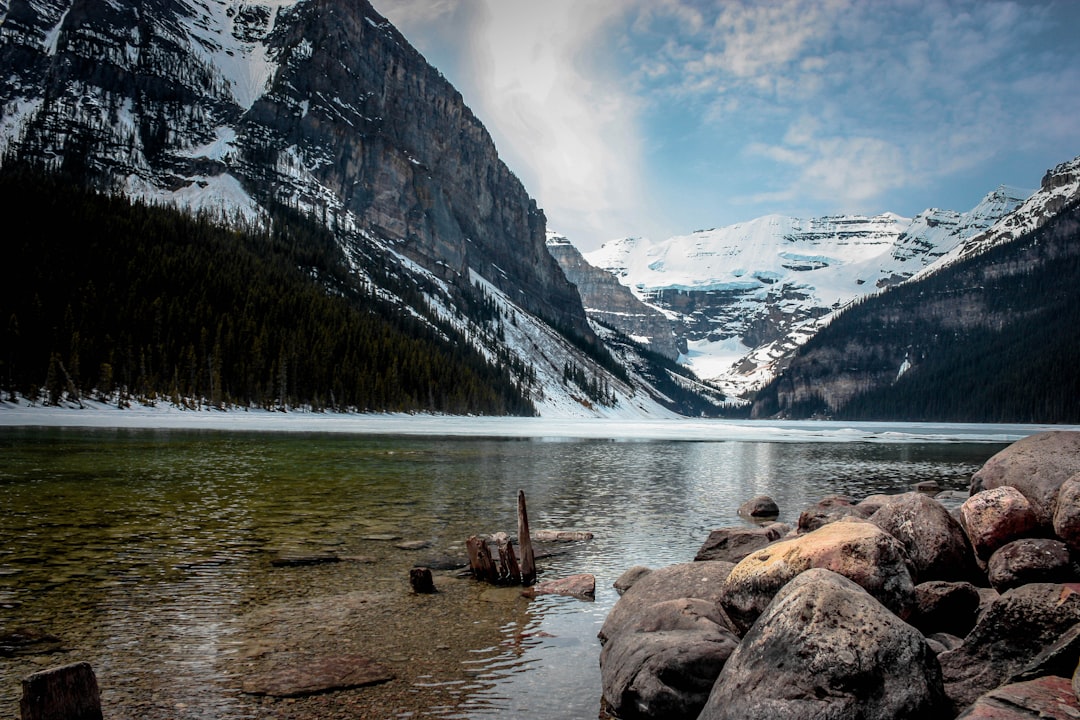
pixel 68 692
pixel 421 581
pixel 528 560
pixel 509 570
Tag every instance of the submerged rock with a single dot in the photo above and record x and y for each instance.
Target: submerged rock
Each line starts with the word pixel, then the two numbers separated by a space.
pixel 824 648
pixel 318 675
pixel 582 585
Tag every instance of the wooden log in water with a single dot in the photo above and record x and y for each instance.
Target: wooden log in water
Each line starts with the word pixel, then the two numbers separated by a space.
pixel 421 581
pixel 508 564
pixel 480 561
pixel 528 560
pixel 69 692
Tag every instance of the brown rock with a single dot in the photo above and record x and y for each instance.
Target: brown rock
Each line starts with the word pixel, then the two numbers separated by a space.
pixel 319 675
pixel 996 517
pixel 1037 466
pixel 829 510
pixel 625 581
pixel 949 607
pixel 1059 658
pixel 702 580
pixel 858 550
pixel 824 648
pixel 761 506
pixel 1012 631
pixel 1030 560
pixel 1067 514
pixel 934 541
pixel 735 543
pixel 1047 697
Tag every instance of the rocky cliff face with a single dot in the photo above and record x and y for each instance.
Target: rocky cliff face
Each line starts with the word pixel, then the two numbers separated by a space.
pixel 609 302
pixel 320 105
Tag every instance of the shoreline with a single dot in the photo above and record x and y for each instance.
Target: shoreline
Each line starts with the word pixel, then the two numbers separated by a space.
pixel 141 417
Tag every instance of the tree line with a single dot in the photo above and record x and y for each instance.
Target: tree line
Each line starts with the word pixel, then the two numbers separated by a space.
pixel 128 301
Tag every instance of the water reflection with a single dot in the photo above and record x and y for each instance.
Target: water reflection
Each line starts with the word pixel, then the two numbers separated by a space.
pixel 149 553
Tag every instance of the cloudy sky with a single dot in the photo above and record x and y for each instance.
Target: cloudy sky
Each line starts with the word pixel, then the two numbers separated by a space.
pixel 660 117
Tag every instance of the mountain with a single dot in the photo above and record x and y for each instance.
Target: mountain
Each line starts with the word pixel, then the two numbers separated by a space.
pixel 990 332
pixel 321 109
pixel 744 297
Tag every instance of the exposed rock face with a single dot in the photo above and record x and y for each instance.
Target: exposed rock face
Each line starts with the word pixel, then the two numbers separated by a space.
pixel 612 303
pixel 824 648
pixel 1037 466
pixel 857 550
pixel 320 105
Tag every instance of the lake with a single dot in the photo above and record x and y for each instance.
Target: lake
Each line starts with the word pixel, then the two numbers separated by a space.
pixel 154 554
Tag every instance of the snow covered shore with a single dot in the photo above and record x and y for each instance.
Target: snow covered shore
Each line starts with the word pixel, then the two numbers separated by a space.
pixel 166 417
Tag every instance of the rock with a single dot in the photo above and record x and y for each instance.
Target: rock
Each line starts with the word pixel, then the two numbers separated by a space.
pixel 761 506
pixel 1048 697
pixel 927 487
pixel 995 517
pixel 664 663
pixel 319 675
pixel 872 503
pixel 413 545
pixel 858 550
pixel 1059 659
pixel 735 543
pixel 1067 514
pixel 935 542
pixel 1012 631
pixel 824 648
pixel 581 585
pixel 560 536
pixel 701 580
pixel 829 510
pixel 1037 466
pixel 69 692
pixel 29 641
pixel 304 560
pixel 940 606
pixel 1030 560
pixel 1076 681
pixel 625 581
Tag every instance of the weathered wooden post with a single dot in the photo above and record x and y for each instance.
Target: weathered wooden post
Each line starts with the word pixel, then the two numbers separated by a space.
pixel 528 561
pixel 421 581
pixel 68 692
pixel 480 561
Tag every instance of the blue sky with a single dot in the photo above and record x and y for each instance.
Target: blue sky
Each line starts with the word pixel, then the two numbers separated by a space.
pixel 660 117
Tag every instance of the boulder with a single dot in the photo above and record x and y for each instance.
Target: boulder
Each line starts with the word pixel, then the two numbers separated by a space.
pixel 872 503
pixel 1047 697
pixel 858 550
pixel 1013 630
pixel 941 642
pixel 997 517
pixel 934 541
pixel 665 661
pixel 824 648
pixel 1030 560
pixel 1067 514
pixel 945 607
pixel 701 580
pixel 629 577
pixel 761 506
pixel 735 543
pixel 829 510
pixel 1037 466
pixel 952 499
pixel 1059 658
pixel 1076 681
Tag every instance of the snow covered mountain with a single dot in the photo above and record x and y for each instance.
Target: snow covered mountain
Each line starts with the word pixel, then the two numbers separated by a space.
pixel 321 107
pixel 744 297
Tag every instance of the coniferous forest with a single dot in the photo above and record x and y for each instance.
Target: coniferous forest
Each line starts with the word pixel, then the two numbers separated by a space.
pixel 127 302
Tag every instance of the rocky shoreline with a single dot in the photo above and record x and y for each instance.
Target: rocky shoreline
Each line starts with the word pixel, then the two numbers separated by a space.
pixel 923 604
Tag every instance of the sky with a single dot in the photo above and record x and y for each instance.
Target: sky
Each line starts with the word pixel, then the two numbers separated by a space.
pixel 655 118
